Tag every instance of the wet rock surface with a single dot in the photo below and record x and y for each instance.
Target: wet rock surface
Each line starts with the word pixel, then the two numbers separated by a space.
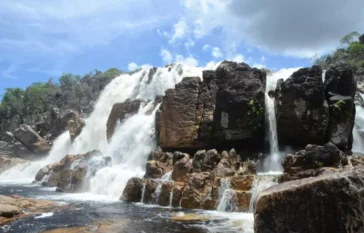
pixel 195 183
pixel 13 207
pixel 72 172
pixel 331 202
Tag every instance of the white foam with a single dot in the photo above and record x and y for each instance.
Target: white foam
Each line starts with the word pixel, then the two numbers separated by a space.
pixel 45 215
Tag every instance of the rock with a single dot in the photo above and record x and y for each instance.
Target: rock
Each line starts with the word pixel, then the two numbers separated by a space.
pixel 74 124
pixel 302 110
pixel 226 109
pixel 242 201
pixel 168 188
pixel 155 169
pixel 311 161
pixel 69 175
pixel 239 114
pixel 182 169
pixel 7 162
pixel 361 39
pixel 133 190
pixel 177 121
pixel 120 112
pixel 198 160
pixel 328 203
pixel 247 167
pixel 242 183
pixel 32 140
pixel 210 160
pixel 164 157
pixel 150 188
pixel 9 211
pixel 340 89
pixel 227 165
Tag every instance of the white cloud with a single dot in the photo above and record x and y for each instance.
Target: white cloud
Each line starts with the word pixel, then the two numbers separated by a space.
pixel 238 58
pixel 262 59
pixel 132 66
pixel 216 52
pixel 188 60
pixel 295 28
pixel 259 66
pixel 189 43
pixel 206 47
pixel 179 31
pixel 212 65
pixel 166 56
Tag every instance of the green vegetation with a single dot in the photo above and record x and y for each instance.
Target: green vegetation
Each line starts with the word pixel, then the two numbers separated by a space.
pixel 255 114
pixel 350 52
pixel 39 98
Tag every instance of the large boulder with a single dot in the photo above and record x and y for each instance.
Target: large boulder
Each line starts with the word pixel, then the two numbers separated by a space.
pixel 302 110
pixel 313 161
pixel 119 112
pixel 328 203
pixel 32 140
pixel 133 190
pixel 239 112
pixel 340 90
pixel 225 110
pixel 182 169
pixel 178 119
pixel 361 39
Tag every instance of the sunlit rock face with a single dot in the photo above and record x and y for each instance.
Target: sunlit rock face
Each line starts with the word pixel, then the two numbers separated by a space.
pixel 302 109
pixel 331 202
pixel 225 109
pixel 208 180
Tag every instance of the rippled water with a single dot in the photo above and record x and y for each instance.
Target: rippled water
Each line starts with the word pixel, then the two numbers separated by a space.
pixel 99 214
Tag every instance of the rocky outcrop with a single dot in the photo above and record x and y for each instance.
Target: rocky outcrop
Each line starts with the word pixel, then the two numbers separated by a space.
pixel 69 175
pixel 302 109
pixel 196 183
pixel 313 161
pixel 178 119
pixel 340 89
pixel 361 39
pixel 119 112
pixel 331 202
pixel 32 140
pixel 226 109
pixel 14 207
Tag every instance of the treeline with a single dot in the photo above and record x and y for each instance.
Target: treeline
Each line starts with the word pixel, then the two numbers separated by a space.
pixel 351 52
pixel 71 91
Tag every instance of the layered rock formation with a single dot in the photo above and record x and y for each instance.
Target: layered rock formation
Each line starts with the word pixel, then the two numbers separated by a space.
pixel 199 182
pixel 224 110
pixel 310 111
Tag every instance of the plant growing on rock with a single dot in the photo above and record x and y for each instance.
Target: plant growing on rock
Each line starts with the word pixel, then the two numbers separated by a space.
pixel 255 114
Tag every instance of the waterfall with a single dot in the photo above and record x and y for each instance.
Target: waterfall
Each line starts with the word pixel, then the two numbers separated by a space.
pixel 132 141
pixel 143 193
pixel 260 184
pixel 171 198
pixel 226 196
pixel 272 163
pixel 158 190
pixel 358 130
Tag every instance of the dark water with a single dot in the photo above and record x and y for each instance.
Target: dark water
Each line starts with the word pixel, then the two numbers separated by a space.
pixel 116 216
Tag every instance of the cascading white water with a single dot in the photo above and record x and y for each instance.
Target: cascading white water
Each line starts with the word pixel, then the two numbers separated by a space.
pixel 358 131
pixel 273 161
pixel 171 198
pixel 143 193
pixel 226 196
pixel 132 140
pixel 260 184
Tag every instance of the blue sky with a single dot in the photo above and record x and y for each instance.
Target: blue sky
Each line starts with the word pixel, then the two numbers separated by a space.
pixel 40 39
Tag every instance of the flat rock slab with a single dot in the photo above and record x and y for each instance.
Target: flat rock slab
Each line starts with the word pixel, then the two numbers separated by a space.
pixel 9 211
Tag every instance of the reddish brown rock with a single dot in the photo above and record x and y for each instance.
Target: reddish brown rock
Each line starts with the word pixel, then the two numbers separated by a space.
pixel 133 190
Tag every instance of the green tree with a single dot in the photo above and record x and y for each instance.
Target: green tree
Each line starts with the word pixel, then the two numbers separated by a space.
pixel 347 39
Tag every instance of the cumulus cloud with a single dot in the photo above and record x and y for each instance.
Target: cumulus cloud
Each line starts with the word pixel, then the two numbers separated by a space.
pixel 216 52
pixel 132 66
pixel 296 28
pixel 179 31
pixel 238 58
pixel 188 60
pixel 166 56
pixel 206 47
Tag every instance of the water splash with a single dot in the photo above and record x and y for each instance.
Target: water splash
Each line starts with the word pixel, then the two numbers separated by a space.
pixel 226 196
pixel 262 182
pixel 274 160
pixel 171 198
